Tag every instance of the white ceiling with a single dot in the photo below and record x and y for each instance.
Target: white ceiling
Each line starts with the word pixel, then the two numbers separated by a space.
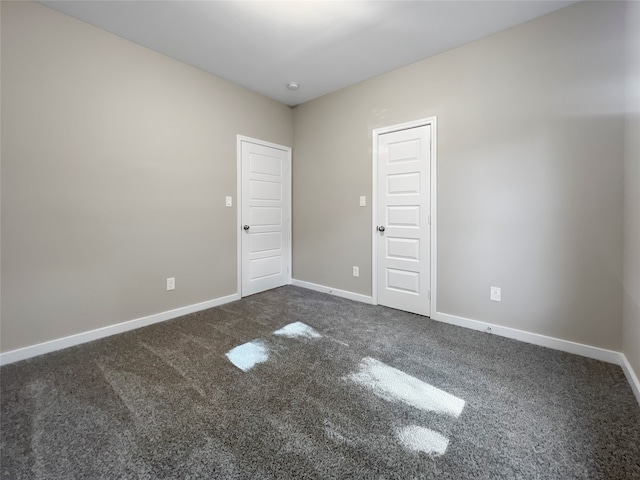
pixel 322 45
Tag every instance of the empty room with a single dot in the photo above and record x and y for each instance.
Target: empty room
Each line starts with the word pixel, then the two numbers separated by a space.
pixel 320 239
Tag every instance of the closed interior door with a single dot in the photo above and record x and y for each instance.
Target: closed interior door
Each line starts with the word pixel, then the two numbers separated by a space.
pixel 403 230
pixel 265 218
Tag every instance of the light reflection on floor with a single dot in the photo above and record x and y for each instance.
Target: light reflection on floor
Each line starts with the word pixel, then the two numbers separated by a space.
pixel 247 355
pixel 383 380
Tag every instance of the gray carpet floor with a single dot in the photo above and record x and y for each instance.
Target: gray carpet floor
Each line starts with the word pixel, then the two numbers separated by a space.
pixel 368 392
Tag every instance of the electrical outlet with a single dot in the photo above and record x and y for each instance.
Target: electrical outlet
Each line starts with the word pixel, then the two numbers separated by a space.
pixel 356 272
pixel 171 283
pixel 363 201
pixel 496 294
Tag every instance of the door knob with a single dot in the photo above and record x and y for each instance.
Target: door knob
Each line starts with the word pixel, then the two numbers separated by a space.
pixel 246 227
pixel 381 228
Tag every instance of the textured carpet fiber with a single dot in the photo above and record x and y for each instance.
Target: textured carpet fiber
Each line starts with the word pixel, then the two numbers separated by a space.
pixel 351 391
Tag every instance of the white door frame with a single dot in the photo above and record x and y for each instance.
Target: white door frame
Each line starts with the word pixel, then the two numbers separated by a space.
pixel 240 139
pixel 431 121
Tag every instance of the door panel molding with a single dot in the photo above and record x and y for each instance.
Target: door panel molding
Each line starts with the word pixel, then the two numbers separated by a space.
pixel 404 213
pixel 266 191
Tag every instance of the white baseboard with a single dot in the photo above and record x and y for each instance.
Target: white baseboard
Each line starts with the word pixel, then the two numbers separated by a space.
pixel 609 356
pixel 333 291
pixel 631 377
pixel 77 339
pixel 597 353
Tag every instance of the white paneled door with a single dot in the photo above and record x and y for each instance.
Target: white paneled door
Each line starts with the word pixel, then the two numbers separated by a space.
pixel 403 230
pixel 265 216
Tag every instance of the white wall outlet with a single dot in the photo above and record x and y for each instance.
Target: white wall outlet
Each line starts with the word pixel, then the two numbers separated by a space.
pixel 496 294
pixel 356 271
pixel 363 201
pixel 228 202
pixel 171 283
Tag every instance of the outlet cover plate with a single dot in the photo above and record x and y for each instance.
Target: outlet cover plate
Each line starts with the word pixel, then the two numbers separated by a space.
pixel 496 294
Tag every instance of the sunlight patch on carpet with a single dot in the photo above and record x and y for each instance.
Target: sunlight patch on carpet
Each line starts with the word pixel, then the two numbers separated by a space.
pixel 392 384
pixel 248 355
pixel 297 330
pixel 421 439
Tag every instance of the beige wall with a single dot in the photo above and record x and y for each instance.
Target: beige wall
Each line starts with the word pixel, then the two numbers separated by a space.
pixel 115 166
pixel 116 161
pixel 631 299
pixel 530 173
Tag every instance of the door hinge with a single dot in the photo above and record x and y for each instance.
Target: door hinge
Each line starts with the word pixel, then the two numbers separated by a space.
pixel 429 219
pixel 429 294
